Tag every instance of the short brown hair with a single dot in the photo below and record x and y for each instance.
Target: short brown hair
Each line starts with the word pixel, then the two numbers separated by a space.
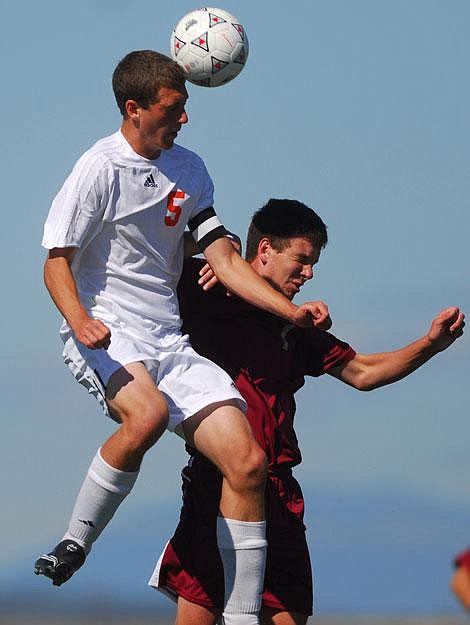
pixel 140 75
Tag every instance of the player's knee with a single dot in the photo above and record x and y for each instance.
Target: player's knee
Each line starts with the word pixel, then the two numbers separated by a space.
pixel 250 471
pixel 259 467
pixel 143 428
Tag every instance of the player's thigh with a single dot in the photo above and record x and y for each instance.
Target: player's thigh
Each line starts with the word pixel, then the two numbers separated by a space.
pixel 131 393
pixel 222 433
pixel 269 616
pixel 189 613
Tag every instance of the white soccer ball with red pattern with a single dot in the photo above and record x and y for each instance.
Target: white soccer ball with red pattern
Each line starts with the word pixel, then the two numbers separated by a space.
pixel 211 45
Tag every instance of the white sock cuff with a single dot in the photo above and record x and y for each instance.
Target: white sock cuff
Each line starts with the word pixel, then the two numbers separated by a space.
pixel 80 541
pixel 240 619
pixel 233 534
pixel 109 478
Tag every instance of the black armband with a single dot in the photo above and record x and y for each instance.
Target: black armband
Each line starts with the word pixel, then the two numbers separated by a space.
pixel 206 228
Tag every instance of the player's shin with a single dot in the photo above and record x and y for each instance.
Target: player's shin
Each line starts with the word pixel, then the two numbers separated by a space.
pixel 242 546
pixel 101 493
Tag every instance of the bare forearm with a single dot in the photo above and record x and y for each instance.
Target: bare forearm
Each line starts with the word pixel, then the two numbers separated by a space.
pixel 368 371
pixel 61 285
pixel 385 368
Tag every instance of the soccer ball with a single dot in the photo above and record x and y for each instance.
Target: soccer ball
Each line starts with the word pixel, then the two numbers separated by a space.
pixel 211 45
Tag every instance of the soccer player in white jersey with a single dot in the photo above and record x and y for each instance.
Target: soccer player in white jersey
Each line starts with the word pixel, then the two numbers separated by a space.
pixel 114 236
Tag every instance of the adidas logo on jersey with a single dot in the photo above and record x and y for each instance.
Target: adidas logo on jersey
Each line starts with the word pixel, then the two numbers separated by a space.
pixel 150 182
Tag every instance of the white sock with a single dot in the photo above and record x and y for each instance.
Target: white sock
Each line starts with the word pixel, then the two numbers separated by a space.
pixel 242 546
pixel 101 493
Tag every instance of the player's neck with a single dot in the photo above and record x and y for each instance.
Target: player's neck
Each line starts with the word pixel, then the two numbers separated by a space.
pixel 137 144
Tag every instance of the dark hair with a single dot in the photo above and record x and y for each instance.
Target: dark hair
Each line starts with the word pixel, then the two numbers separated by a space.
pixel 281 220
pixel 140 75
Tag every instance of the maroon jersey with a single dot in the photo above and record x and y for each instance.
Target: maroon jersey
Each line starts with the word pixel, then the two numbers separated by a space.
pixel 267 357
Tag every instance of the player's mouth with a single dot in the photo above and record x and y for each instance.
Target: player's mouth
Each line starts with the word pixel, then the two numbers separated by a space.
pixel 172 135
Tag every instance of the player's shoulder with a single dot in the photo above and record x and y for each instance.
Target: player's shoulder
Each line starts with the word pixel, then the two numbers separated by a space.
pixel 180 154
pixel 101 154
pixel 307 337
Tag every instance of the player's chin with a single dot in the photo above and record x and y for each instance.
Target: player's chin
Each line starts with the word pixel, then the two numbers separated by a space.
pixel 290 292
pixel 168 141
pixel 295 288
pixel 171 138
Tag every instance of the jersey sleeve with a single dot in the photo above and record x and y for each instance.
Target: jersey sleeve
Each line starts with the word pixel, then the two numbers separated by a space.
pixel 204 224
pixel 79 203
pixel 321 351
pixel 463 559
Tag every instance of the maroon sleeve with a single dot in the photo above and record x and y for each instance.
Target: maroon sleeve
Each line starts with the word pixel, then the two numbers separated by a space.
pixel 463 559
pixel 323 351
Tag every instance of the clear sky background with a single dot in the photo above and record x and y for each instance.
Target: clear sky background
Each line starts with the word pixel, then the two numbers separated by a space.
pixel 361 110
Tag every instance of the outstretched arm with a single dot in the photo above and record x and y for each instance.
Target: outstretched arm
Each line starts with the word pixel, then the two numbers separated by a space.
pixel 61 285
pixel 240 278
pixel 460 585
pixel 368 371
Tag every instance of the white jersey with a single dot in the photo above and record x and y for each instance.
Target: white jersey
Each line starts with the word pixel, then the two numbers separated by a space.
pixel 126 215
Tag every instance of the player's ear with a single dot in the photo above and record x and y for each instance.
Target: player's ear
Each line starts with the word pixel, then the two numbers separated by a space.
pixel 264 247
pixel 132 110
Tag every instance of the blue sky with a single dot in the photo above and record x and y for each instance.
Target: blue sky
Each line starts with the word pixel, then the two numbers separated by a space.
pixel 359 109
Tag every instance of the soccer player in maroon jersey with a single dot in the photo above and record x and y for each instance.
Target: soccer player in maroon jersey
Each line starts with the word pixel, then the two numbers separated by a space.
pixel 460 582
pixel 268 360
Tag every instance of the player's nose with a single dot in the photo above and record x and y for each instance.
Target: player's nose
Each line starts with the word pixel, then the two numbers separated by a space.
pixel 307 272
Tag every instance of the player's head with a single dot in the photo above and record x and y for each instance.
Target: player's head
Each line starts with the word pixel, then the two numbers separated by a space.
pixel 282 220
pixel 141 74
pixel 151 94
pixel 284 241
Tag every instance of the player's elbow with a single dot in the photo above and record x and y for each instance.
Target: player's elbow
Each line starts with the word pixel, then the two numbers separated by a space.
pixel 367 386
pixel 362 373
pixel 362 385
pixel 365 381
pixel 46 272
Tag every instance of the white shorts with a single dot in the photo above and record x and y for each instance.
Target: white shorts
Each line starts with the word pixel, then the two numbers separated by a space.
pixel 188 381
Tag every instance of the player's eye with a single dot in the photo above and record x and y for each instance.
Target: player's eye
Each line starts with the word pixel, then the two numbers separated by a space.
pixel 176 109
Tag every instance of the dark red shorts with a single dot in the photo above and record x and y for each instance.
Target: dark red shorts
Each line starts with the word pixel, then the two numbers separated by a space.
pixel 190 565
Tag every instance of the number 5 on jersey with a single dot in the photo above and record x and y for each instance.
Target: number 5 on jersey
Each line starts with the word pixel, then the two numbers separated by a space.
pixel 173 207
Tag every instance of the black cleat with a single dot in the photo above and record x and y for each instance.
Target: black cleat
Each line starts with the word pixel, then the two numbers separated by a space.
pixel 61 563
